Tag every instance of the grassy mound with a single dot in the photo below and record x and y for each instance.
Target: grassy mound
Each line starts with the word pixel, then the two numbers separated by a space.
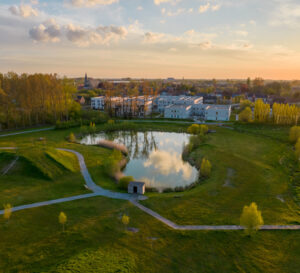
pixel 66 160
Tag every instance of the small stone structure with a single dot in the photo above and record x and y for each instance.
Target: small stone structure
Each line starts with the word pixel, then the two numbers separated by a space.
pixel 136 188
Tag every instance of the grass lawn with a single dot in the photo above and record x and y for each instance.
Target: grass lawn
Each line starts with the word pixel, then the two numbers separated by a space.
pixel 254 167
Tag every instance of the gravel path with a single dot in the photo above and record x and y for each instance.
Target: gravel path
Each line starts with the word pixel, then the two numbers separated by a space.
pixel 208 227
pixel 98 191
pixel 27 132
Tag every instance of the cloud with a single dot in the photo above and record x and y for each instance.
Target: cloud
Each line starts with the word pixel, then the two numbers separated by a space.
pixel 208 6
pixel 169 162
pixel 286 13
pixel 151 37
pixel 241 33
pixel 158 2
pixel 49 31
pixel 176 12
pixel 204 8
pixel 52 32
pixel 91 3
pixel 23 11
pixel 139 8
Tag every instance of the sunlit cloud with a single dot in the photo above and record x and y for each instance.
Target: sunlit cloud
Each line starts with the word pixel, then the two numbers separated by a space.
pixel 169 162
pixel 24 11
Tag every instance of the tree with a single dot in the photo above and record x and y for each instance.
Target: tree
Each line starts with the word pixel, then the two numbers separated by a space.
pixel 205 168
pixel 294 134
pixel 125 220
pixel 124 182
pixel 193 129
pixel 251 219
pixel 246 115
pixel 196 129
pixel 62 218
pixel 7 211
pixel 297 149
pixel 261 111
pixel 72 138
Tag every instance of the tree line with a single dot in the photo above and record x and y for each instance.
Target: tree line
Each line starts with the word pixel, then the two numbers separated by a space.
pixel 29 100
pixel 282 114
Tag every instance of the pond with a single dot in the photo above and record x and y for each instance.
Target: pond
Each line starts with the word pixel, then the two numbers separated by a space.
pixel 155 157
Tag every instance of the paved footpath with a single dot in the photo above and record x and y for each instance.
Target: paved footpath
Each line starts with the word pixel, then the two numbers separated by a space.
pixel 206 227
pixel 27 132
pixel 99 191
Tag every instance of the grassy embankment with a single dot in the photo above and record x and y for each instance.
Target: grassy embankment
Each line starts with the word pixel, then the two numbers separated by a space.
pixel 32 240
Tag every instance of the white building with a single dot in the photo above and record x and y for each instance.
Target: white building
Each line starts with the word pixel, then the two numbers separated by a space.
pixel 124 106
pixel 162 102
pixel 218 112
pixel 98 103
pixel 178 111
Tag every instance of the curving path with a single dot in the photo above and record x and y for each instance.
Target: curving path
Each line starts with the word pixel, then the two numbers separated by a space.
pixel 98 191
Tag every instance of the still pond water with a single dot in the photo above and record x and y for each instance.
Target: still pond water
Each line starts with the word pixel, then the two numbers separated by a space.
pixel 155 157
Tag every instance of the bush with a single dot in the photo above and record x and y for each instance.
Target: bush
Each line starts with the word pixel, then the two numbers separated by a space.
pixel 246 115
pixel 205 169
pixel 193 129
pixel 124 182
pixel 297 149
pixel 294 134
pixel 72 138
pixel 196 129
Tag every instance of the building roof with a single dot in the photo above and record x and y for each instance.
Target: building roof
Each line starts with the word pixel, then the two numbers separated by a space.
pixel 219 107
pixel 179 106
pixel 136 183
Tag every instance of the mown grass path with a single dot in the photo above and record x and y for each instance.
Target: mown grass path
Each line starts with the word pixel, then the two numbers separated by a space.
pixel 99 191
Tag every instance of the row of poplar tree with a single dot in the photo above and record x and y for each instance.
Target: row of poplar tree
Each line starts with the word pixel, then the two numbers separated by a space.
pixel 28 100
pixel 283 114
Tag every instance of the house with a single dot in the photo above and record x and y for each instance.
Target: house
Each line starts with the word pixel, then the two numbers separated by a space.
pixel 80 100
pixel 178 111
pixel 136 188
pixel 218 112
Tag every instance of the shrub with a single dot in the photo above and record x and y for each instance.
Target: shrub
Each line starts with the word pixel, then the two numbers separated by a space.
pixel 246 115
pixel 294 134
pixel 251 218
pixel 193 129
pixel 205 169
pixel 297 149
pixel 72 138
pixel 124 182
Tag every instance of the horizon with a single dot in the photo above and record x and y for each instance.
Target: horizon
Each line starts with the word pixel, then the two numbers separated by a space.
pixel 153 39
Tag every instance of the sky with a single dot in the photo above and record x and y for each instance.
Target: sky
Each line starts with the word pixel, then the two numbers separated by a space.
pixel 191 39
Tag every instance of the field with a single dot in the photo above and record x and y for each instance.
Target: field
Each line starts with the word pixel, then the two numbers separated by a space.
pixel 252 163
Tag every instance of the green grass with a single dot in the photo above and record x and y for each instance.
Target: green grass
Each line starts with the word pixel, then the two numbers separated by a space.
pixel 262 170
pixel 95 239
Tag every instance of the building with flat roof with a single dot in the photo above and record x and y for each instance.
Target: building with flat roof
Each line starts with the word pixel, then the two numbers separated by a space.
pixel 178 111
pixel 218 112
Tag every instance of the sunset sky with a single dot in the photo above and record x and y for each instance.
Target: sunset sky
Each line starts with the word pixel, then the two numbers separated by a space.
pixel 152 38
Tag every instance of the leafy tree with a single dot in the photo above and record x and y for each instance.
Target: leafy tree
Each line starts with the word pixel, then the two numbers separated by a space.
pixel 261 111
pixel 246 115
pixel 193 129
pixel 7 211
pixel 294 134
pixel 297 149
pixel 124 182
pixel 251 219
pixel 125 220
pixel 196 129
pixel 72 138
pixel 205 168
pixel 62 218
